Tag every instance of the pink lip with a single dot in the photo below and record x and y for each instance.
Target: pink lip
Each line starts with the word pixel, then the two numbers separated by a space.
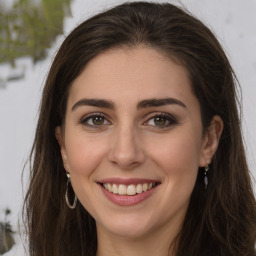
pixel 124 200
pixel 129 181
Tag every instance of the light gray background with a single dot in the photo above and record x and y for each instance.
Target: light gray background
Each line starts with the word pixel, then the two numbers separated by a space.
pixel 233 22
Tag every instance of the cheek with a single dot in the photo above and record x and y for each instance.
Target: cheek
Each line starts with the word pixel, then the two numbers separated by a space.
pixel 179 151
pixel 178 157
pixel 84 154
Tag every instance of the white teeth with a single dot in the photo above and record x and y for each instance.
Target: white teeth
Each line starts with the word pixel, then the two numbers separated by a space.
pixel 109 187
pixel 122 190
pixel 130 190
pixel 114 189
pixel 139 189
pixel 145 187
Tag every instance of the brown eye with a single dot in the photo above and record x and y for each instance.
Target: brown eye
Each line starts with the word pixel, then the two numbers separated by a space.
pixel 160 121
pixel 97 120
pixel 94 121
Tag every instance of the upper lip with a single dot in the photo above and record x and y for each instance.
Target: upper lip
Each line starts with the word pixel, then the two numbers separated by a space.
pixel 127 181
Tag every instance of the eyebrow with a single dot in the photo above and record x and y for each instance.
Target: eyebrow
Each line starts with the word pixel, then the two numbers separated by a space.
pixel 160 102
pixel 101 103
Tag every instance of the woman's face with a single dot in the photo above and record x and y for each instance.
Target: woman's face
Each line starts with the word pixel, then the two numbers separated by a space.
pixel 133 141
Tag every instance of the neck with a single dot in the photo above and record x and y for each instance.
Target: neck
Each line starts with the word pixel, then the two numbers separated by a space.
pixel 160 244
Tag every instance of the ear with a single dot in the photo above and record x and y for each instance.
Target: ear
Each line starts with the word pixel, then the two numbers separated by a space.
pixel 211 141
pixel 59 136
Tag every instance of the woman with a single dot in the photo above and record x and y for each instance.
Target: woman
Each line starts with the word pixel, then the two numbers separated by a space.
pixel 138 148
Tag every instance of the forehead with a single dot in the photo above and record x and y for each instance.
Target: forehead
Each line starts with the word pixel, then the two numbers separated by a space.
pixel 134 73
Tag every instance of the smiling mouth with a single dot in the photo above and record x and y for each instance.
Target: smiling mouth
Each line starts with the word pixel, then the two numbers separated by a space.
pixel 129 190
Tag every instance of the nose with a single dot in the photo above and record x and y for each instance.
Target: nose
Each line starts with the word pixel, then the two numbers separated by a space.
pixel 126 150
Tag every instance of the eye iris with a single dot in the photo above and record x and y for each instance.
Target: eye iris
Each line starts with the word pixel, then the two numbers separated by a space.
pixel 159 120
pixel 98 120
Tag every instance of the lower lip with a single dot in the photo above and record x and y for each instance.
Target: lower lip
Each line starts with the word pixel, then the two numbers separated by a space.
pixel 127 200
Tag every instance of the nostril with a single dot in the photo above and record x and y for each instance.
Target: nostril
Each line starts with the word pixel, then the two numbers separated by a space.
pixel 126 153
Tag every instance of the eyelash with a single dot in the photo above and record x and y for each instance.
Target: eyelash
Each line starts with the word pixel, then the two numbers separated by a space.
pixel 85 120
pixel 171 120
pixel 165 117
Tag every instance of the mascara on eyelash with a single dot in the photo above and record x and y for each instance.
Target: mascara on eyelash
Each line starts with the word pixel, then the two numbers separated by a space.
pixel 87 117
pixel 167 116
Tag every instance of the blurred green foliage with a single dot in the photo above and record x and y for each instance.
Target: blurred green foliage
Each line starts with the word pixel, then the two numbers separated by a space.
pixel 30 27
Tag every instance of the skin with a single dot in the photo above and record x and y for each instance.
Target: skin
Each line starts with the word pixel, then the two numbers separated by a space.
pixel 129 142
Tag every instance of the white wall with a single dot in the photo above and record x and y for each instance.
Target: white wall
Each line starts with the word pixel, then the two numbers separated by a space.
pixel 234 23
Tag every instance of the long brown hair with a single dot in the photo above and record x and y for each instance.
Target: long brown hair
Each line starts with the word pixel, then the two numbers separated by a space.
pixel 220 220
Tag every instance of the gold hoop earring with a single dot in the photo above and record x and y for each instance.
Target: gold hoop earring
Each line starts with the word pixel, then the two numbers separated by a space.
pixel 71 206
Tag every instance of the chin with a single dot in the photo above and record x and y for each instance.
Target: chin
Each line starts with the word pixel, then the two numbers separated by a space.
pixel 129 227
